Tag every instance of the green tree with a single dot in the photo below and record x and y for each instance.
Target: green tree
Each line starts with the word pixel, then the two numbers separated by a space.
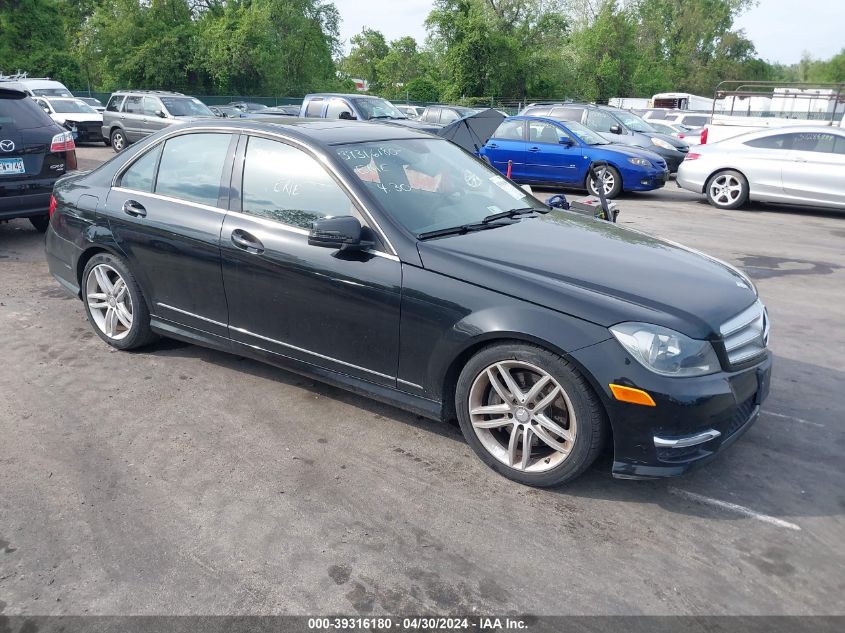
pixel 369 49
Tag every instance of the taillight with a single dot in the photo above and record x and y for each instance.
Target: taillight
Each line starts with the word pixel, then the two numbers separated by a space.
pixel 692 156
pixel 681 135
pixel 704 136
pixel 52 205
pixel 62 142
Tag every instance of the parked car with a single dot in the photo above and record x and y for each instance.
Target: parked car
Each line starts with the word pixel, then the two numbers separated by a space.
pixel 282 110
pixel 545 151
pixel 411 111
pixel 802 165
pixel 83 121
pixel 227 112
pixel 34 152
pixel 359 107
pixel 617 126
pixel 94 103
pixel 680 117
pixel 395 264
pixel 35 87
pixel 688 135
pixel 445 114
pixel 247 106
pixel 133 114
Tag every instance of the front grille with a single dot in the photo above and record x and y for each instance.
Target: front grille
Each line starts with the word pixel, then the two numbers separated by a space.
pixel 740 417
pixel 746 335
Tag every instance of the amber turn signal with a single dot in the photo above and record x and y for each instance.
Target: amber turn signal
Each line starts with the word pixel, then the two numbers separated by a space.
pixel 634 396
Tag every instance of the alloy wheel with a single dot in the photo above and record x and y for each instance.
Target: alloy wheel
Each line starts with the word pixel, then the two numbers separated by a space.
pixel 522 416
pixel 725 189
pixel 109 301
pixel 608 180
pixel 118 141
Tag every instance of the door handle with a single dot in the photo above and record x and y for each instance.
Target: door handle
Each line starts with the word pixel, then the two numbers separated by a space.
pixel 533 149
pixel 247 242
pixel 135 209
pixel 492 146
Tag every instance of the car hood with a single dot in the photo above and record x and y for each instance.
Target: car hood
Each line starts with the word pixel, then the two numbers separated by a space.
pixel 628 150
pixel 676 142
pixel 597 271
pixel 79 117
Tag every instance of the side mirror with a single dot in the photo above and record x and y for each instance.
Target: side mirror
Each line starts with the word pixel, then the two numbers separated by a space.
pixel 615 129
pixel 566 141
pixel 346 116
pixel 161 114
pixel 343 232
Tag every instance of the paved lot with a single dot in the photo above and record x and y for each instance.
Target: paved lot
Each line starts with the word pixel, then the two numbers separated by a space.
pixel 181 480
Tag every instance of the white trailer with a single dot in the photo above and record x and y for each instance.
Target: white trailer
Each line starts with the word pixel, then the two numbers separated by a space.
pixel 681 101
pixel 629 103
pixel 740 107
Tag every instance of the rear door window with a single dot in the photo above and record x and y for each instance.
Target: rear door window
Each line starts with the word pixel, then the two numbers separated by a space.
pixel 191 167
pixel 134 105
pixel 314 108
pixel 22 114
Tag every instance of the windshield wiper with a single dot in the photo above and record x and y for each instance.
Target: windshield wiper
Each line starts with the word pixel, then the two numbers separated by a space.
pixel 512 214
pixel 462 229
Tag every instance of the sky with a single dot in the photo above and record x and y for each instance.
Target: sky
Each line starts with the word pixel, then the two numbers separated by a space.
pixel 781 29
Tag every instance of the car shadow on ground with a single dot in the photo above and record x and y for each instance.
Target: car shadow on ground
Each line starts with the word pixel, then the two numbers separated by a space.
pixel 749 473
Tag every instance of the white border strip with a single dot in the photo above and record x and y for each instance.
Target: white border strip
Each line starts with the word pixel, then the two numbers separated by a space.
pixel 733 507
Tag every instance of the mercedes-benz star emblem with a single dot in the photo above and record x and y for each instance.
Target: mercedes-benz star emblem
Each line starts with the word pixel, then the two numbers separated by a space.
pixel 6 145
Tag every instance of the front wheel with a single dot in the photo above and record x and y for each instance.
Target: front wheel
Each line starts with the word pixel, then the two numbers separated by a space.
pixel 114 303
pixel 612 183
pixel 727 189
pixel 529 414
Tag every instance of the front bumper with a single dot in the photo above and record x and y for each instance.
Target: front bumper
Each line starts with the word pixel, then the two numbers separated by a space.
pixel 644 180
pixel 693 420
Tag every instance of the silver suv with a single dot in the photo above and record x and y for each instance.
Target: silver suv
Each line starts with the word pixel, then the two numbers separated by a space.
pixel 133 114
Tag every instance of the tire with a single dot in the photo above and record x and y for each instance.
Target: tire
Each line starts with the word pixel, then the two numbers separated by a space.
pixel 108 310
pixel 40 222
pixel 568 402
pixel 727 189
pixel 612 178
pixel 107 142
pixel 118 140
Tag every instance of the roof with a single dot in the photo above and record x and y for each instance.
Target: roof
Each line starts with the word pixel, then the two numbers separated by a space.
pixel 323 131
pixel 149 92
pixel 345 95
pixel 11 93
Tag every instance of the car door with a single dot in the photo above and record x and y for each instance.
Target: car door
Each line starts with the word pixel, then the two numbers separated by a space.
pixel 548 157
pixel 152 121
pixel 508 144
pixel 331 309
pixel 166 213
pixel 132 118
pixel 815 169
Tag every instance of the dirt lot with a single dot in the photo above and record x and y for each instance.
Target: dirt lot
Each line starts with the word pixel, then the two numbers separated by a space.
pixel 180 480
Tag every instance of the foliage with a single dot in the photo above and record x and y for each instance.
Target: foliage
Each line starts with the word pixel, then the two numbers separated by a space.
pixel 476 50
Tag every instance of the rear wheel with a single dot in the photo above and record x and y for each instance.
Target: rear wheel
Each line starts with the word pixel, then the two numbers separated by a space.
pixel 727 189
pixel 118 140
pixel 612 183
pixel 40 222
pixel 114 303
pixel 529 414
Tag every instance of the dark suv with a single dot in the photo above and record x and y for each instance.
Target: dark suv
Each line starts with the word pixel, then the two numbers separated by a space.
pixel 34 152
pixel 617 126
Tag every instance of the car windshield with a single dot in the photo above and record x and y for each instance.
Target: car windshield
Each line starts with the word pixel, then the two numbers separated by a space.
pixel 633 122
pixel 431 184
pixel 587 136
pixel 186 106
pixel 51 92
pixel 375 108
pixel 72 105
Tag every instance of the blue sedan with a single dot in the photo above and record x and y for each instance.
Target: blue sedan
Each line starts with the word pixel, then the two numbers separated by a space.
pixel 551 152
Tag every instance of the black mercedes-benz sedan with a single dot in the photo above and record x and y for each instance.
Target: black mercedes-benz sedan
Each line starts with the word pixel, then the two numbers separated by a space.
pixel 394 264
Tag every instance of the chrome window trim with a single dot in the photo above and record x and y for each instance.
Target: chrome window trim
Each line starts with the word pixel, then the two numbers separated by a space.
pixel 318 355
pixel 158 196
pixel 191 314
pixel 316 152
pixel 684 442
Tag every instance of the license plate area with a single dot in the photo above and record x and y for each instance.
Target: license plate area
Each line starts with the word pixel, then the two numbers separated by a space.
pixel 11 166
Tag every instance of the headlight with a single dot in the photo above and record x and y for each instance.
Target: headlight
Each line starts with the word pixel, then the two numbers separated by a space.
pixel 661 143
pixel 665 351
pixel 642 162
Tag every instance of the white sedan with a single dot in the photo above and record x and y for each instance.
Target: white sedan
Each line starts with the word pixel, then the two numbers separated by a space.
pixel 800 165
pixel 81 119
